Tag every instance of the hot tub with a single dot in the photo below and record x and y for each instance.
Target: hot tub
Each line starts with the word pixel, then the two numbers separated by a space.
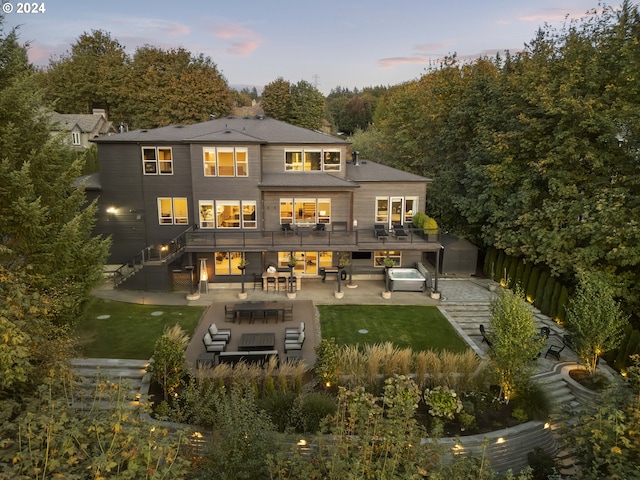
pixel 406 279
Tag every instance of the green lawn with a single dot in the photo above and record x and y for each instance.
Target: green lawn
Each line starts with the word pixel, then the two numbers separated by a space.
pixel 131 330
pixel 418 327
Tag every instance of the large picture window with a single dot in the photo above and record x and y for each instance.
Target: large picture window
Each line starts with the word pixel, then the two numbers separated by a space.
pixel 227 214
pixel 225 161
pixel 157 160
pixel 305 211
pixel 172 211
pixel 311 160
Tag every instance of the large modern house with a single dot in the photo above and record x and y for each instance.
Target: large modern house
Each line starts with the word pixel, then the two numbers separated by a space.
pixel 188 203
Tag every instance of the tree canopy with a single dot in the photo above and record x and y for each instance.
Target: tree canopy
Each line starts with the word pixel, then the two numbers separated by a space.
pixel 153 87
pixel 535 153
pixel 300 104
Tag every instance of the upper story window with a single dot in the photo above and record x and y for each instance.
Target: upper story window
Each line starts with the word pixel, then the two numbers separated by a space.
pixel 305 211
pixel 172 211
pixel 157 160
pixel 228 214
pixel 311 160
pixel 75 138
pixel 225 162
pixel 396 209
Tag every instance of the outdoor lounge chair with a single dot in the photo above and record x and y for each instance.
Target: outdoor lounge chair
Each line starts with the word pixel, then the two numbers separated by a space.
pixel 293 333
pixel 211 346
pixel 399 231
pixel 286 228
pixel 554 350
pixel 380 231
pixel 319 228
pixel 294 344
pixel 484 336
pixel 218 335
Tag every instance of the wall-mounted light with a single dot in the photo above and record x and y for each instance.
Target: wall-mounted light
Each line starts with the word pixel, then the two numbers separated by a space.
pixel 112 210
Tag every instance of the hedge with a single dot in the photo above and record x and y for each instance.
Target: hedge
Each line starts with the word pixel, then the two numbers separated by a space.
pixel 532 284
pixel 498 274
pixel 542 282
pixel 555 298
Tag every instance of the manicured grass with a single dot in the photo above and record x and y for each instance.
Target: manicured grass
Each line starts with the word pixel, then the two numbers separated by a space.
pixel 131 330
pixel 418 327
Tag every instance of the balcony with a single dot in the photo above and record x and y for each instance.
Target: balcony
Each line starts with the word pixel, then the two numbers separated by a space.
pixel 307 238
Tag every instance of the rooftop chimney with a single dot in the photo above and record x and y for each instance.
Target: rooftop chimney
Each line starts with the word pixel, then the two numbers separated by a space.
pixel 354 155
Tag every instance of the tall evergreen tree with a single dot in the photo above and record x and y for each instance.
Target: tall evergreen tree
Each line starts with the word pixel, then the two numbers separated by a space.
pixel 45 224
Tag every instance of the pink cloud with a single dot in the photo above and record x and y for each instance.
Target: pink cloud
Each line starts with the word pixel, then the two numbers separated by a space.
pixel 395 61
pixel 227 32
pixel 243 49
pixel 552 15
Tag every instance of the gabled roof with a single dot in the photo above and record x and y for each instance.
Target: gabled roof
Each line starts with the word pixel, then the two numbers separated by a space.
pixel 302 180
pixel 87 123
pixel 258 129
pixel 368 171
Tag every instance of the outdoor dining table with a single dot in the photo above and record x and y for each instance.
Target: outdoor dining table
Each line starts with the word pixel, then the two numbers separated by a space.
pixel 257 341
pixel 251 310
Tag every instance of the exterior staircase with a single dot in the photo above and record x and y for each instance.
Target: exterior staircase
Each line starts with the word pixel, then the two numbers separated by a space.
pixel 105 382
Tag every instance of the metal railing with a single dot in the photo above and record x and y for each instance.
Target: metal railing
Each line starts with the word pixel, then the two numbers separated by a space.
pixel 162 253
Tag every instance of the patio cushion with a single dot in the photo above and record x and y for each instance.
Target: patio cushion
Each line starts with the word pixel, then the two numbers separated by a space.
pixel 217 334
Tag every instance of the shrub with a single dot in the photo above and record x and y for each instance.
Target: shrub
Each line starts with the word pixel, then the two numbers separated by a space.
pixel 532 401
pixel 511 273
pixel 279 407
pixel 419 219
pixel 312 408
pixel 542 282
pixel 442 402
pixel 167 365
pixel 532 284
pixel 489 266
pixel 499 274
pixel 542 464
pixel 561 313
pixel 545 307
pixel 555 298
pixel 519 273
pixel 526 276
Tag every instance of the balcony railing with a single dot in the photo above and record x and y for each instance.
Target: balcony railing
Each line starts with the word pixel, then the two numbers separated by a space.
pixel 356 238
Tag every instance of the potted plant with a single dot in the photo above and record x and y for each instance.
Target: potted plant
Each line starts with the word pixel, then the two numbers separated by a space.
pixel 345 261
pixel 291 263
pixel 388 262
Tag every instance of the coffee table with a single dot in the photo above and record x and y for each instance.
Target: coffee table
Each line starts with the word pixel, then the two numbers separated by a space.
pixel 257 341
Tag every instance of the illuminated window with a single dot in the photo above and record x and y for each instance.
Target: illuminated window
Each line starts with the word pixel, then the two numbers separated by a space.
pixel 382 210
pixel 378 258
pixel 173 211
pixel 225 161
pixel 157 160
pixel 207 219
pixel 311 160
pixel 293 161
pixel 228 214
pixel 286 210
pixel 331 160
pixel 226 263
pixel 249 214
pixel 305 210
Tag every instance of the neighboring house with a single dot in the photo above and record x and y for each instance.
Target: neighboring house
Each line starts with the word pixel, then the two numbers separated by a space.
pixel 79 129
pixel 207 194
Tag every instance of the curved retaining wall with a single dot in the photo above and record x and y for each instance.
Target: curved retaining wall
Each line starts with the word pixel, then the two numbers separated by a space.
pixel 505 449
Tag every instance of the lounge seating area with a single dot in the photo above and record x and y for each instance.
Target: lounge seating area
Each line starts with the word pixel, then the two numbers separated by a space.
pixel 380 231
pixel 294 343
pixel 555 350
pixel 399 231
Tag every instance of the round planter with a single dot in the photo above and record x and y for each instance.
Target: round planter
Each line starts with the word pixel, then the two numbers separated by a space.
pixel 352 285
pixel 583 394
pixel 386 295
pixel 338 294
pixel 193 296
pixel 435 295
pixel 291 295
pixel 493 287
pixel 243 296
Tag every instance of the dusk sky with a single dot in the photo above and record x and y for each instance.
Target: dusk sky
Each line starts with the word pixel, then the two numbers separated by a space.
pixel 348 43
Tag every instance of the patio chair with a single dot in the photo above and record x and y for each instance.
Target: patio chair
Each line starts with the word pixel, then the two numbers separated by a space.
pixel 286 228
pixel 293 333
pixel 257 281
pixel 271 313
pixel 399 231
pixel 213 346
pixel 218 335
pixel 554 350
pixel 484 336
pixel 244 314
pixel 229 314
pixel 319 228
pixel 288 312
pixel 380 231
pixel 294 344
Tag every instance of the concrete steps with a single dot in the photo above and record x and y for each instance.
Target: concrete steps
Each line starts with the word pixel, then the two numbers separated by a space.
pixel 105 382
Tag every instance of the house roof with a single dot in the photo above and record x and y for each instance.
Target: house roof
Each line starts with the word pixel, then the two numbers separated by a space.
pixel 302 180
pixel 257 129
pixel 369 171
pixel 85 122
pixel 89 182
